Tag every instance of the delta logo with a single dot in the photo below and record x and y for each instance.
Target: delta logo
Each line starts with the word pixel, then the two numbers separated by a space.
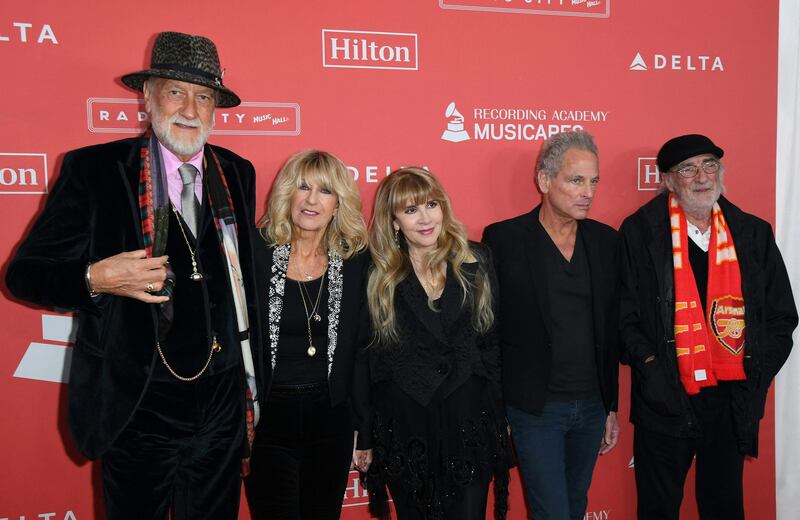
pixel 23 173
pixel 50 360
pixel 369 50
pixel 127 116
pixel 683 62
pixel 588 8
pixel 26 32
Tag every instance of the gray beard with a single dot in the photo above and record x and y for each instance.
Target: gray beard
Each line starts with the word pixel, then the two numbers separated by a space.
pixel 163 130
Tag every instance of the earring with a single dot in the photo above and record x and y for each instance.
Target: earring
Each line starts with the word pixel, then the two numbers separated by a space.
pixel 397 237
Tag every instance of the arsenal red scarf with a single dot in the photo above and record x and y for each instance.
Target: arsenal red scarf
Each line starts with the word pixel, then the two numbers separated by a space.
pixel 709 348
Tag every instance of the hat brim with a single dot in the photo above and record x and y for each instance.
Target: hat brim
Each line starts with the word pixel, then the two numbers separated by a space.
pixel 136 81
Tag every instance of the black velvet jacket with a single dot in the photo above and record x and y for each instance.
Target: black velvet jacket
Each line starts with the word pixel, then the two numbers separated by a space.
pixel 348 378
pixel 524 311
pixel 92 213
pixel 423 360
pixel 658 399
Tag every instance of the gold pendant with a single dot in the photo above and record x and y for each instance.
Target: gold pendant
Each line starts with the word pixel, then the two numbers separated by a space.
pixel 195 276
pixel 215 346
pixel 312 350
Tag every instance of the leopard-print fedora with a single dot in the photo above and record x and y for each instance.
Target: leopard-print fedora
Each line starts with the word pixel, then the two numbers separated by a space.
pixel 185 57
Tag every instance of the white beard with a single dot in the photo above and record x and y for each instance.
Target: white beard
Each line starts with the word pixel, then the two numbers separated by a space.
pixel 164 131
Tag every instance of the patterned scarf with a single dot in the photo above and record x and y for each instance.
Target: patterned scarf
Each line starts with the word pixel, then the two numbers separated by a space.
pixel 708 349
pixel 154 210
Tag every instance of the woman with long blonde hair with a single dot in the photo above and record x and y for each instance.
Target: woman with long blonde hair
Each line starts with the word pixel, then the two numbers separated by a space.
pixel 313 265
pixel 439 432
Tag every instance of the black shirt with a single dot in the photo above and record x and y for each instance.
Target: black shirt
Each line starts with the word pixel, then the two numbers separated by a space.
pixel 293 365
pixel 699 261
pixel 573 372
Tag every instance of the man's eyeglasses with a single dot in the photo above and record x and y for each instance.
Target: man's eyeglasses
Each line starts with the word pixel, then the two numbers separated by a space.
pixel 710 166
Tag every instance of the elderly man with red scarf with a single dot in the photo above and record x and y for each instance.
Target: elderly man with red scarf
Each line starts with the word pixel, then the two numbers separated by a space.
pixel 151 240
pixel 707 316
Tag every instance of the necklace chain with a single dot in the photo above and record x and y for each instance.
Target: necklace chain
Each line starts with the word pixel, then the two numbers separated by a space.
pixel 306 274
pixel 196 276
pixel 312 350
pixel 431 287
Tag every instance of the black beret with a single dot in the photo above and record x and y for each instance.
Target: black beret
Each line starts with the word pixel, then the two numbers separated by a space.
pixel 679 149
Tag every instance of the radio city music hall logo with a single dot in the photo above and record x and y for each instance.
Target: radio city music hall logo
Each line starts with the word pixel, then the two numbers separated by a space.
pixel 24 32
pixel 369 50
pixel 23 173
pixel 590 8
pixel 686 62
pixel 648 177
pixel 50 359
pixel 127 116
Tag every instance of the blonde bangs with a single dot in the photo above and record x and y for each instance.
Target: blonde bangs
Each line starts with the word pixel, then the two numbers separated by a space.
pixel 413 190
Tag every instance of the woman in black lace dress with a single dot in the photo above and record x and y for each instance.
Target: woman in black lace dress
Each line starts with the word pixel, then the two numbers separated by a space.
pixel 439 431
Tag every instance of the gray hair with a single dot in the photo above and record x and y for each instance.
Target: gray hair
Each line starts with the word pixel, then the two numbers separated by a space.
pixel 552 154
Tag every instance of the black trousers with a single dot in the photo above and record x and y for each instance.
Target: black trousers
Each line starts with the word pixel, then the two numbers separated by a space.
pixel 301 456
pixel 181 453
pixel 661 463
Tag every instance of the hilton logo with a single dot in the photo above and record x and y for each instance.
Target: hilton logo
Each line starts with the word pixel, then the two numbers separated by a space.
pixel 23 173
pixel 369 50
pixel 355 494
pixel 649 178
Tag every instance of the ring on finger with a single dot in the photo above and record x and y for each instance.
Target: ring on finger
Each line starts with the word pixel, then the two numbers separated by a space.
pixel 150 287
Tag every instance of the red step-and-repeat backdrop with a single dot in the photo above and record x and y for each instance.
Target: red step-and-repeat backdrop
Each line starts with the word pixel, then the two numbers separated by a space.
pixel 467 88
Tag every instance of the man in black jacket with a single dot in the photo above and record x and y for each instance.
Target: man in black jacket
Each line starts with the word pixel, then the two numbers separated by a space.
pixel 707 316
pixel 558 329
pixel 162 381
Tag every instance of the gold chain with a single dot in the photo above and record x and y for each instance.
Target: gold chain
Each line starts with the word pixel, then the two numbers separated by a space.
pixel 215 347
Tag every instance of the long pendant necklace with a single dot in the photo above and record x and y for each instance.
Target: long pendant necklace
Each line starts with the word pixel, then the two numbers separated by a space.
pixel 196 275
pixel 311 350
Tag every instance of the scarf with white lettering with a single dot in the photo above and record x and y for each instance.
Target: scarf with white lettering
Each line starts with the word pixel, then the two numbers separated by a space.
pixel 709 348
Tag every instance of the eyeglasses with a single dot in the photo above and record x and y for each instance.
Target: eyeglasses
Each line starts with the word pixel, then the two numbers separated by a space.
pixel 710 166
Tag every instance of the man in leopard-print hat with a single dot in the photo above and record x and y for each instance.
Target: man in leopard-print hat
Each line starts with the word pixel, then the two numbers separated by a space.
pixel 151 240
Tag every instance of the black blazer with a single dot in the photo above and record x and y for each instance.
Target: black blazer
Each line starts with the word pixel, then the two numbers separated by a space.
pixel 658 399
pixel 434 345
pixel 348 378
pixel 524 327
pixel 93 213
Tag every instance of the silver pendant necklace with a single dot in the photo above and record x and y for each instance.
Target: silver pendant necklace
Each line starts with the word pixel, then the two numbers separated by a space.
pixel 313 315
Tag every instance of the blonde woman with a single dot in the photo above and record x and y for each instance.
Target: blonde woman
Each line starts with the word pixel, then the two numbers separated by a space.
pixel 313 265
pixel 439 432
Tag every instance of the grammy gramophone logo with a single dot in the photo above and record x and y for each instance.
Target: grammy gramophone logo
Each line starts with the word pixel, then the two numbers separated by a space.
pixel 455 132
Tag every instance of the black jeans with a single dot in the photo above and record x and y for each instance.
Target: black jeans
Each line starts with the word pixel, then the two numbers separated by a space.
pixel 661 463
pixel 181 452
pixel 301 456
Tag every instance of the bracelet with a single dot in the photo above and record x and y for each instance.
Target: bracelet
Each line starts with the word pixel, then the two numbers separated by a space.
pixel 87 277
